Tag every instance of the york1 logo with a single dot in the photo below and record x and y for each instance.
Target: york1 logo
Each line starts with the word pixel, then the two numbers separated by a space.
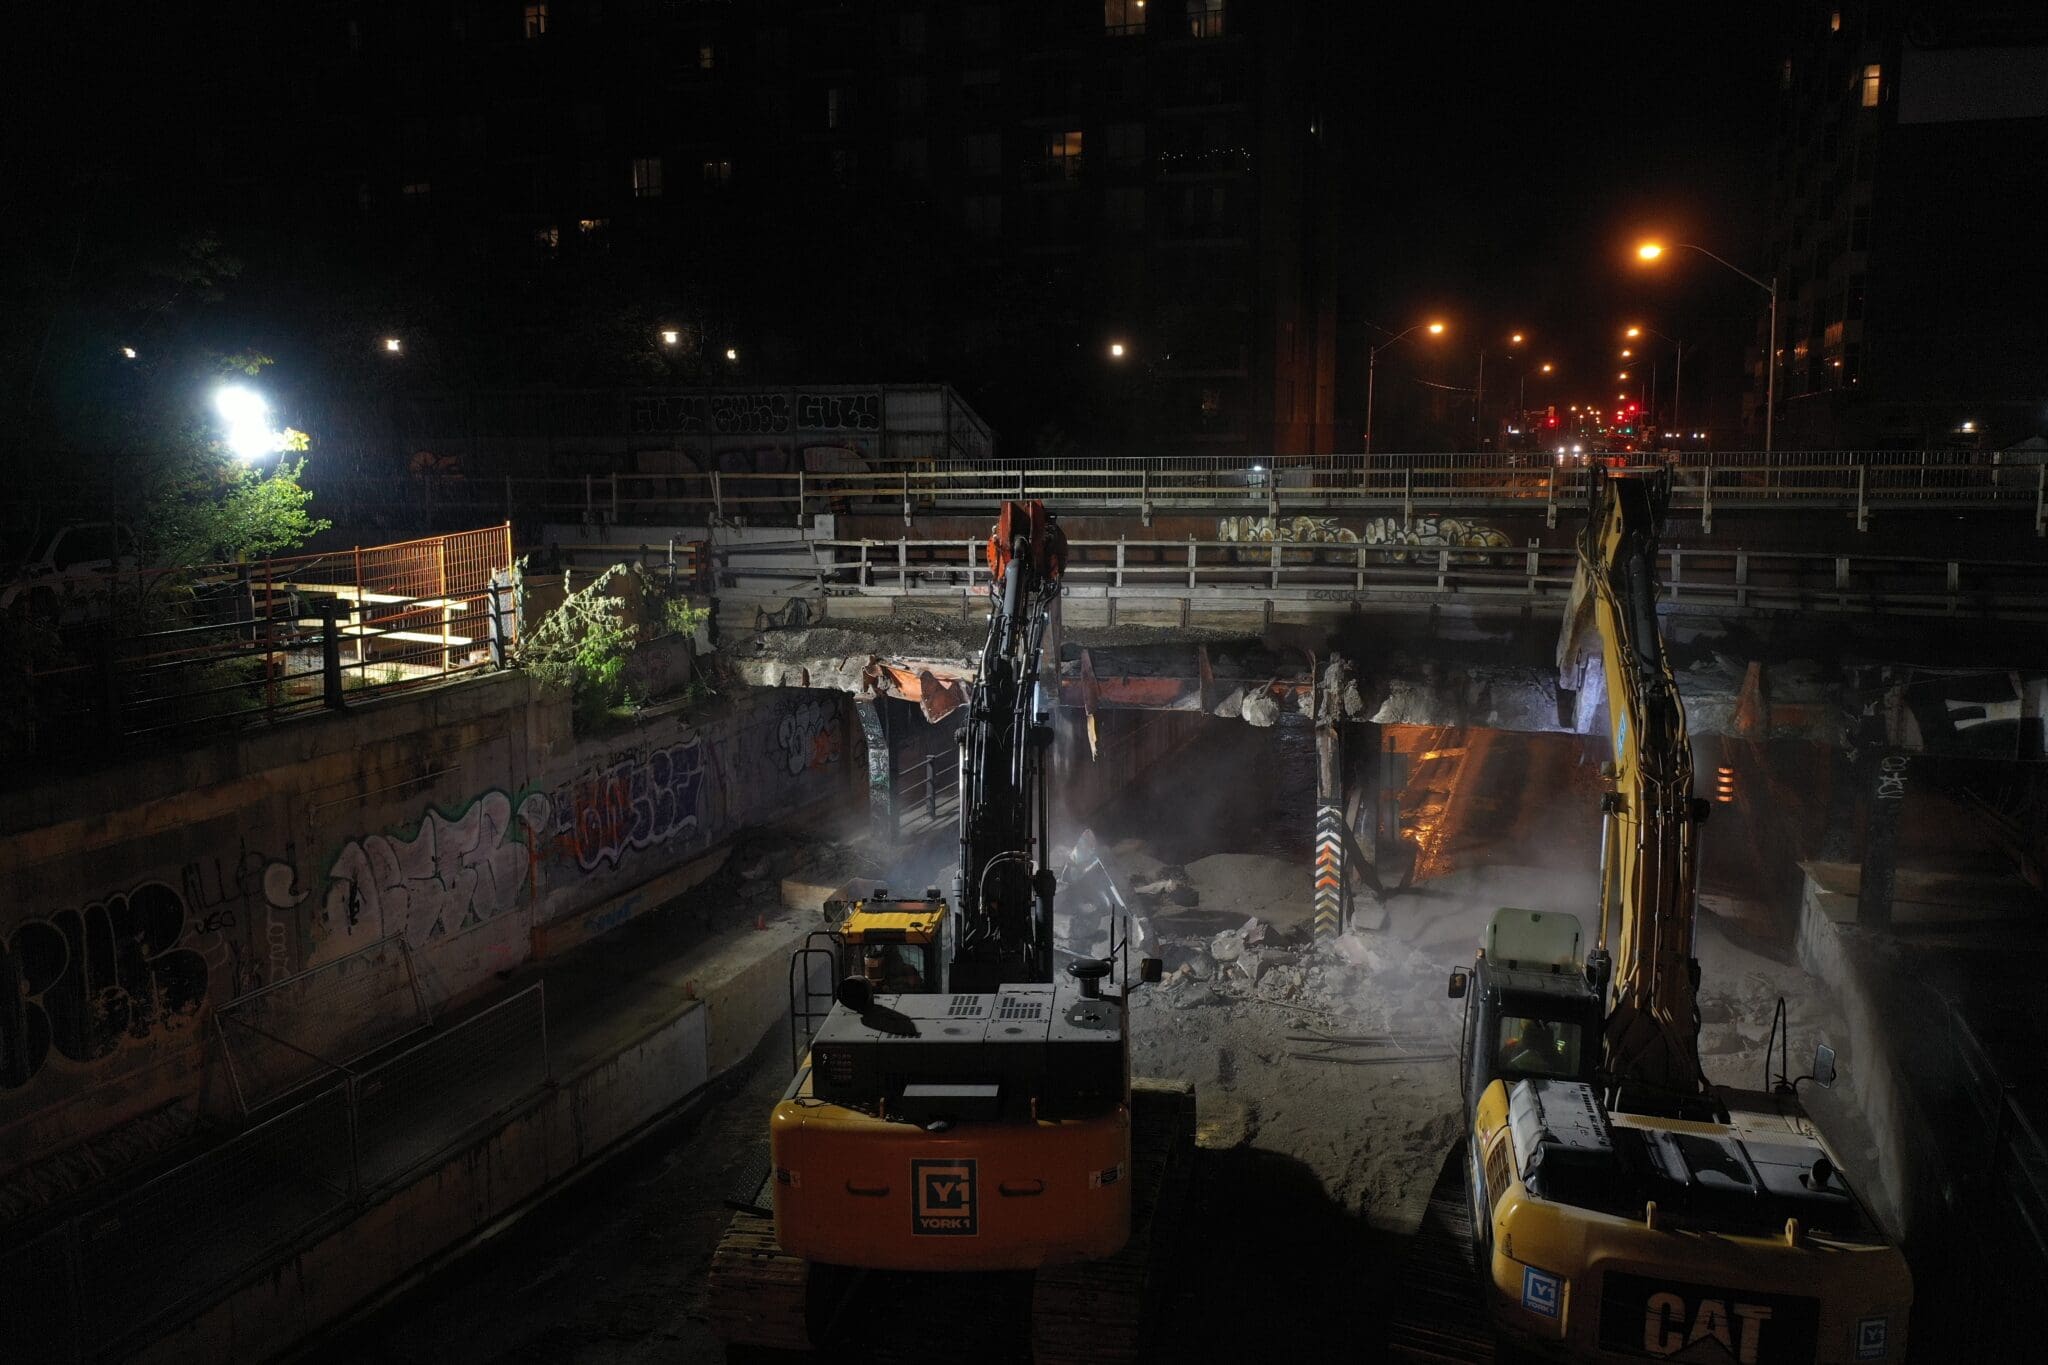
pixel 943 1198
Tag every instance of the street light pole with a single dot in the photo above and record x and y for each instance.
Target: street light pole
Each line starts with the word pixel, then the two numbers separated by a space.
pixel 1650 251
pixel 1372 362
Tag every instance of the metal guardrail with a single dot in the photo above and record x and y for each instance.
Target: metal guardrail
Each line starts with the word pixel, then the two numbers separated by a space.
pixel 1859 482
pixel 1340 573
pixel 102 1282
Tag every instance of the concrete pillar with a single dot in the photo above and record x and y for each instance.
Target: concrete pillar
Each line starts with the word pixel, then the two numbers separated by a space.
pixel 884 823
pixel 1838 831
pixel 1885 780
pixel 1329 889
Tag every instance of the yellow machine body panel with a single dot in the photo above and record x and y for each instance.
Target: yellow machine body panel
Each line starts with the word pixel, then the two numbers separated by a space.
pixel 1590 1284
pixel 919 922
pixel 851 1188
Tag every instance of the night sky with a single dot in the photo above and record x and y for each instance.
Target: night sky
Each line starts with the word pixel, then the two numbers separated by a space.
pixel 1504 159
pixel 1515 154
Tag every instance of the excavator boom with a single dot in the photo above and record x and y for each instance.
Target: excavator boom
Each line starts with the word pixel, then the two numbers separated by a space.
pixel 1651 821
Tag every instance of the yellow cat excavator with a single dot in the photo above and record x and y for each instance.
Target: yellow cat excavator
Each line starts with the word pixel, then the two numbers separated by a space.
pixel 961 1106
pixel 1623 1207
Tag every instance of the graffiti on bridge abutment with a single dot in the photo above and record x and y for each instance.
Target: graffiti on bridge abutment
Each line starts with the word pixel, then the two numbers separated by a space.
pixel 80 983
pixel 454 874
pixel 807 736
pixel 633 801
pixel 1429 531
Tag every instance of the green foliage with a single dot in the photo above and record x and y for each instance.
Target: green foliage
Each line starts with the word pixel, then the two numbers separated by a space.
pixel 679 617
pixel 583 645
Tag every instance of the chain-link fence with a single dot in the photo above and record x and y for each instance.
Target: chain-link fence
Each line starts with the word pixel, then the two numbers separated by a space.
pixel 103 1281
pixel 422 1101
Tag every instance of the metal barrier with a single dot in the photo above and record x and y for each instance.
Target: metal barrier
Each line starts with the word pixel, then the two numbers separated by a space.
pixel 102 1281
pixel 305 1028
pixel 927 790
pixel 151 652
pixel 1339 573
pixel 1854 481
pixel 421 1102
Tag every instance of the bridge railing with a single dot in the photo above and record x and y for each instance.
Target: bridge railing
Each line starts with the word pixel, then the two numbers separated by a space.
pixel 1344 570
pixel 1856 481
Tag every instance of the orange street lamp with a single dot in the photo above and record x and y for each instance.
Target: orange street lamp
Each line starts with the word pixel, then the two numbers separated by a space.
pixel 1650 251
pixel 1372 360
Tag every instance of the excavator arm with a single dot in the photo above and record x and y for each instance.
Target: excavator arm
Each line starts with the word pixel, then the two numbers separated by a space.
pixel 1005 891
pixel 1643 959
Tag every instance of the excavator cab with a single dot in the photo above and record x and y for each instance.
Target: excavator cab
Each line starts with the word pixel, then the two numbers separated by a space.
pixel 895 945
pixel 1530 1012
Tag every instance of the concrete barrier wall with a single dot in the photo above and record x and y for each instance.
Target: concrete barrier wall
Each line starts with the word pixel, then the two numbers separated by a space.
pixel 464 820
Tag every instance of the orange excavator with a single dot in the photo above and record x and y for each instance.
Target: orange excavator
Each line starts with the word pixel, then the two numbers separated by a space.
pixel 984 1119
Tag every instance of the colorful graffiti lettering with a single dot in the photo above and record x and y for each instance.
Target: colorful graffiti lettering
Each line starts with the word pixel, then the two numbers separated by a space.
pixel 453 875
pixel 1266 530
pixel 634 803
pixel 808 737
pixel 81 981
pixel 1433 531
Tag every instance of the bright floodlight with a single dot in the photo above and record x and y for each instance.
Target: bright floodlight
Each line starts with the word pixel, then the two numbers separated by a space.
pixel 1650 251
pixel 1116 349
pixel 1515 340
pixel 732 353
pixel 670 336
pixel 128 352
pixel 392 345
pixel 1436 329
pixel 249 436
pixel 1633 332
pixel 1548 368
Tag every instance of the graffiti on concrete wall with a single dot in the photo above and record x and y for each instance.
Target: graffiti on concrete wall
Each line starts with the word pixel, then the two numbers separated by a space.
pixel 807 736
pixel 1307 530
pixel 1266 530
pixel 766 412
pixel 632 802
pixel 227 900
pixel 454 874
pixel 1432 531
pixel 81 982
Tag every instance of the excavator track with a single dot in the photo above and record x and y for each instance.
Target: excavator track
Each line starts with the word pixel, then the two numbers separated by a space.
pixel 1091 1312
pixel 1095 1311
pixel 1437 1315
pixel 757 1295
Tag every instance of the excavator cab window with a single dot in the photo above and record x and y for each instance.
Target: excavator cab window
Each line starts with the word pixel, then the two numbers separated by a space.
pixel 1538 1047
pixel 895 968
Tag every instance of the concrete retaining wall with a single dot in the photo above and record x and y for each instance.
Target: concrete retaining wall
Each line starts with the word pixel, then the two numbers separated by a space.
pixel 467 820
pixel 742 984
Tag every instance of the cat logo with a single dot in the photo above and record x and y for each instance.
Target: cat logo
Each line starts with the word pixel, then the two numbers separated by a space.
pixel 943 1198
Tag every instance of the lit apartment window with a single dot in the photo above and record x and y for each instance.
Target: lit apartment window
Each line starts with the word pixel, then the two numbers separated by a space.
pixel 1205 18
pixel 982 214
pixel 1835 22
pixel 1063 154
pixel 1873 81
pixel 718 174
pixel 1123 17
pixel 536 20
pixel 707 57
pixel 593 227
pixel 646 177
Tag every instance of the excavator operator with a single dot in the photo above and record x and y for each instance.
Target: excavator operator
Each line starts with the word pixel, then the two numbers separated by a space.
pixel 1533 1046
pixel 891 967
